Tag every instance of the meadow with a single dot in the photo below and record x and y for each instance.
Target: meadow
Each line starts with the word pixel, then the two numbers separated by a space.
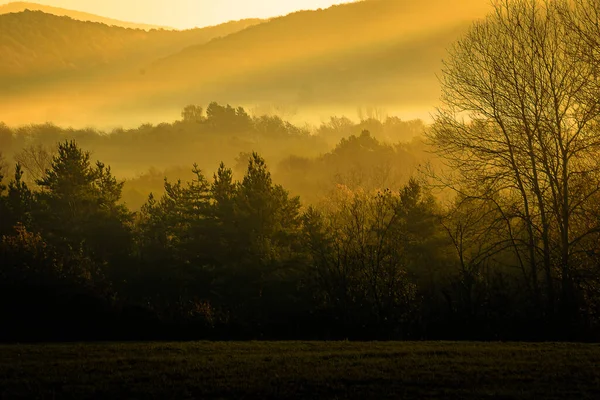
pixel 300 370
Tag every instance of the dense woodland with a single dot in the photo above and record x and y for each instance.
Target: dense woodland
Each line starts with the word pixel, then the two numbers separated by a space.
pixel 214 257
pixel 308 160
pixel 483 225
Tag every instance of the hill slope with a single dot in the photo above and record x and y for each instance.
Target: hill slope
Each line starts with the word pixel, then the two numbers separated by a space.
pixel 34 44
pixel 19 6
pixel 383 53
pixel 377 52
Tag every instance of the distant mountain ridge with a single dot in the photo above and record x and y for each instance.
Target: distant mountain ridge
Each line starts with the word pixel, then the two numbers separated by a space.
pixel 369 51
pixel 383 53
pixel 34 44
pixel 19 6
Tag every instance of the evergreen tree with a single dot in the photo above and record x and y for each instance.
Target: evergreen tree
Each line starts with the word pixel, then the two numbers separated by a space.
pixel 78 207
pixel 175 243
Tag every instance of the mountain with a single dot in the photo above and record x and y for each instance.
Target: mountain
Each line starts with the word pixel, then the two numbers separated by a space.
pixel 37 47
pixel 382 53
pixel 17 7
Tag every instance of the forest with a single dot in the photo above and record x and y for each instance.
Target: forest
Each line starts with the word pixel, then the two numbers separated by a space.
pixel 235 224
pixel 227 252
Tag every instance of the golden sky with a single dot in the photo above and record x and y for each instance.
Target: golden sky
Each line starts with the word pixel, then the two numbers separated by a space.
pixel 186 13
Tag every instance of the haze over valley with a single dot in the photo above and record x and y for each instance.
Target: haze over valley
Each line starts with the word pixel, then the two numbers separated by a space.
pixel 378 53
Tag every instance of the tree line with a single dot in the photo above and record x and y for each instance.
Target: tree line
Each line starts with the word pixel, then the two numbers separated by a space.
pixel 512 256
pixel 219 258
pixel 240 258
pixel 306 159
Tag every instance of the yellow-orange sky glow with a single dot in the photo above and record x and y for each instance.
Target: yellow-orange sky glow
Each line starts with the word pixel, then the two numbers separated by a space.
pixel 184 14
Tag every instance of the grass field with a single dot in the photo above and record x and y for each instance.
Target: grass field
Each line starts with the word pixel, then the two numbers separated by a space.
pixel 299 370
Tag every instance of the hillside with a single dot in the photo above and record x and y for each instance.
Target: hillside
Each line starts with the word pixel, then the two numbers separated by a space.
pixel 35 45
pixel 20 6
pixel 378 51
pixel 383 53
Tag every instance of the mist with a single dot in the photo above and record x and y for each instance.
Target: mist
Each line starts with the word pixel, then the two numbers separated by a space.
pixel 378 199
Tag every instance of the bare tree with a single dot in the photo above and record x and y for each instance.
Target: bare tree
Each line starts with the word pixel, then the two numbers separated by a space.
pixel 359 255
pixel 519 128
pixel 35 160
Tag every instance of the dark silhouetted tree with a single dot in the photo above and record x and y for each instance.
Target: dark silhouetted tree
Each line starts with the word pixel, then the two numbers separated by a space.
pixel 519 128
pixel 78 207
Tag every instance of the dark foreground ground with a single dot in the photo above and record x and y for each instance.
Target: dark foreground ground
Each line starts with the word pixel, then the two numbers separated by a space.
pixel 295 370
